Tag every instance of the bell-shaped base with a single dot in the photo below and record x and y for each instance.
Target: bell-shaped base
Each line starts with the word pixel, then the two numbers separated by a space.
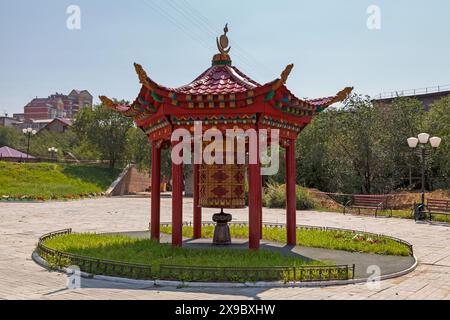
pixel 222 234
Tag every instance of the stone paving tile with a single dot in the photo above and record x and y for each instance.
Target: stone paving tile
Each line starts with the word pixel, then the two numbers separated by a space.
pixel 22 224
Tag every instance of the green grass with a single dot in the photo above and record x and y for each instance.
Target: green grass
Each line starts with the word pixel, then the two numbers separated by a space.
pixel 336 240
pixel 44 181
pixel 142 251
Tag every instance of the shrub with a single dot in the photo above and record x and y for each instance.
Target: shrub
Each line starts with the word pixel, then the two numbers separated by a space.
pixel 275 197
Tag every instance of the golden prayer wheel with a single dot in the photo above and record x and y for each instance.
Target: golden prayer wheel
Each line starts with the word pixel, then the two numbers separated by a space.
pixel 222 185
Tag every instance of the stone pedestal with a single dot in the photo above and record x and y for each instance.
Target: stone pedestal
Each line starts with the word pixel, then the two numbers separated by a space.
pixel 222 231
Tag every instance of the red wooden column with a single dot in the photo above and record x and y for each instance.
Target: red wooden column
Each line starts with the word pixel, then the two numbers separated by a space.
pixel 197 208
pixel 177 204
pixel 255 202
pixel 291 202
pixel 156 191
pixel 261 212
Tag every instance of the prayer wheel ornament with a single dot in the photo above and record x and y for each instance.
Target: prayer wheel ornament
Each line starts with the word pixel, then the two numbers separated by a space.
pixel 222 186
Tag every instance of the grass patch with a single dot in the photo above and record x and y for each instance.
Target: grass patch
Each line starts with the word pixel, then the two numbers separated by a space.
pixel 336 240
pixel 142 251
pixel 145 251
pixel 45 181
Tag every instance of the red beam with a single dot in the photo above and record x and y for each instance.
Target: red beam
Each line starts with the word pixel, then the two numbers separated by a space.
pixel 156 192
pixel 197 208
pixel 291 201
pixel 177 204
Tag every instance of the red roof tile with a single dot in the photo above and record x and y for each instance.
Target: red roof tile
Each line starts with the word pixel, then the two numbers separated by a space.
pixel 321 101
pixel 219 80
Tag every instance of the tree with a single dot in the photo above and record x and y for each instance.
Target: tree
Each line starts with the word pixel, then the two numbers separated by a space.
pixel 9 137
pixel 138 149
pixel 355 140
pixel 105 130
pixel 65 142
pixel 361 147
pixel 437 123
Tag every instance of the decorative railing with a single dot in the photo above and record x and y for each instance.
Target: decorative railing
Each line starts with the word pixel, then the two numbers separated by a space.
pixel 91 265
pixel 191 273
pixel 230 274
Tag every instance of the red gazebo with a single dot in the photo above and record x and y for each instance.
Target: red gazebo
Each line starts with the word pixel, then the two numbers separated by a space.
pixel 224 98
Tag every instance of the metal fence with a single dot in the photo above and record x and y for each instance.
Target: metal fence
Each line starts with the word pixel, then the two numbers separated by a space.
pixel 91 265
pixel 191 273
pixel 412 92
pixel 230 274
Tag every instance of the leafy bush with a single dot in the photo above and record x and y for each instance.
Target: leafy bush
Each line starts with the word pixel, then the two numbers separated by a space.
pixel 275 197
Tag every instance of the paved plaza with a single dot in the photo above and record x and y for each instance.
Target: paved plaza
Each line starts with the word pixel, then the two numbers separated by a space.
pixel 22 224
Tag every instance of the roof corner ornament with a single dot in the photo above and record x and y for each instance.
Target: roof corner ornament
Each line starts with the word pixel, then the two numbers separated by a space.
pixel 343 95
pixel 285 74
pixel 143 78
pixel 283 77
pixel 223 42
pixel 107 102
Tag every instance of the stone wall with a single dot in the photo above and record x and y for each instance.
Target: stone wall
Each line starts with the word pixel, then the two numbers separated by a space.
pixel 131 181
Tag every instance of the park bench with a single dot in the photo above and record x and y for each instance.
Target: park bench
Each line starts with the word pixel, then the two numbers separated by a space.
pixel 374 202
pixel 434 206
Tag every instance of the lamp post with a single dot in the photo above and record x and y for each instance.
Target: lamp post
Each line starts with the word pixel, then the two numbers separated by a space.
pixel 53 151
pixel 29 132
pixel 422 141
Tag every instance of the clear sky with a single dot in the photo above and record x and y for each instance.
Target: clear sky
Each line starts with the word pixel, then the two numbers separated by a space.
pixel 327 40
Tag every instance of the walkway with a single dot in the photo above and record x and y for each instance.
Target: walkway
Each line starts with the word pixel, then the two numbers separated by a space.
pixel 22 224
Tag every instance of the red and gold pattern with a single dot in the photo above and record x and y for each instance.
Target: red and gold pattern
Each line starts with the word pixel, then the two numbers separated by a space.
pixel 222 186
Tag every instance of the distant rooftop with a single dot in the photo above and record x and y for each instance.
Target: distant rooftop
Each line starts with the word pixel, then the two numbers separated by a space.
pixel 7 152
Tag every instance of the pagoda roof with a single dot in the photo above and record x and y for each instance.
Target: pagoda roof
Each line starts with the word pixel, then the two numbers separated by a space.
pixel 221 93
pixel 221 87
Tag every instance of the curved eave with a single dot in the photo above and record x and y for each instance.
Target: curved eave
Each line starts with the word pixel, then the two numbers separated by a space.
pixel 148 105
pixel 328 101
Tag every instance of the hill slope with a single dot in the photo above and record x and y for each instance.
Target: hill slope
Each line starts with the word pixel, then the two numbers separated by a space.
pixel 45 181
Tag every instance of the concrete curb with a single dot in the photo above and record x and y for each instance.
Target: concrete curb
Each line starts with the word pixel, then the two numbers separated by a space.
pixel 178 284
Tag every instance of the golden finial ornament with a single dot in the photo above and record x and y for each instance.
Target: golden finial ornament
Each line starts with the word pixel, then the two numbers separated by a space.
pixel 222 42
